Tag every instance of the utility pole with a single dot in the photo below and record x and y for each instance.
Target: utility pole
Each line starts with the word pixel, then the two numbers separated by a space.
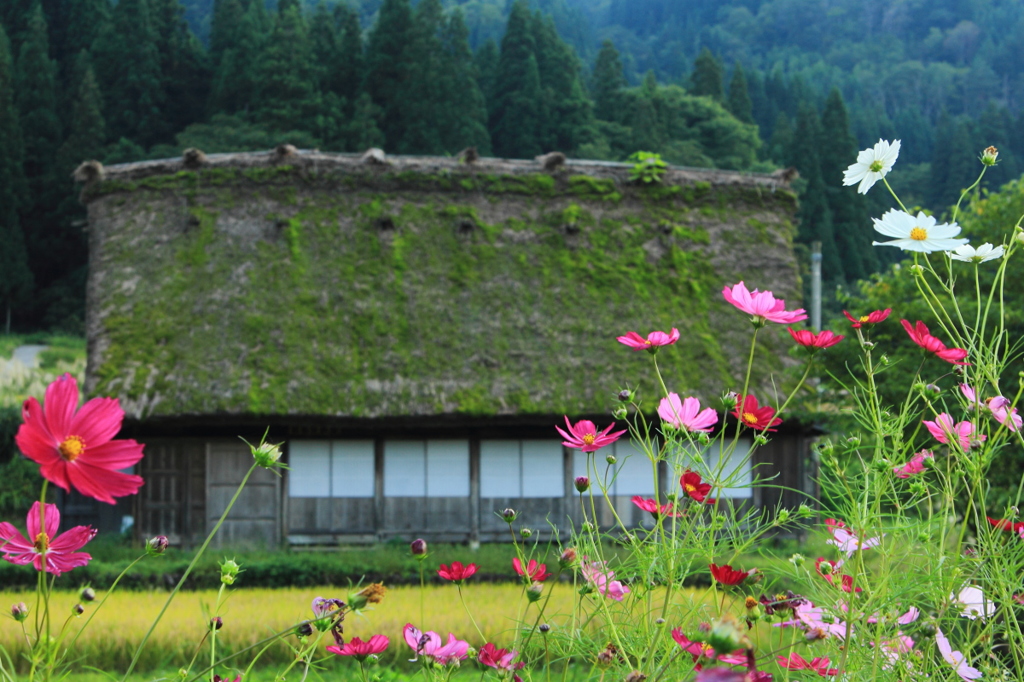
pixel 816 286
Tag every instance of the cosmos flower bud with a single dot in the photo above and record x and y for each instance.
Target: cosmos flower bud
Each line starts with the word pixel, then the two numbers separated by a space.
pixel 610 459
pixel 635 676
pixel 797 560
pixel 782 516
pixel 157 545
pixel 625 395
pixel 659 622
pixel 620 412
pixel 525 532
pixel 267 455
pixel 567 558
pixel 229 570
pixel 216 623
pixel 87 594
pixel 544 628
pixel 726 636
pixel 730 399
pixel 1020 236
pixel 587 527
pixel 582 484
pixel 804 511
pixel 304 630
pixel 78 609
pixel 989 156
pixel 371 594
pixel 19 612
pixel 418 547
pixel 607 655
pixel 760 439
pixel 825 568
pixel 509 514
pixel 534 592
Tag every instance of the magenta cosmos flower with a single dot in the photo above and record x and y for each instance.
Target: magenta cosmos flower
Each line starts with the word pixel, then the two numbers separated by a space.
pixel 762 305
pixel 920 335
pixel 597 574
pixel 75 449
pixel 944 430
pixel 914 466
pixel 702 649
pixel 456 572
pixel 653 341
pixel 686 414
pixel 874 317
pixel 360 649
pixel 59 552
pixel 583 435
pixel 818 665
pixel 815 342
pixel 533 571
pixel 656 510
pixel 499 659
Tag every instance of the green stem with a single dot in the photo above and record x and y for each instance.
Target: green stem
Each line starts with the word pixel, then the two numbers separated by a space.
pixel 188 571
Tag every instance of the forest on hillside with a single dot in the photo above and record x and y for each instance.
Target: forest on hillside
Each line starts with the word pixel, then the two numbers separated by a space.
pixel 740 84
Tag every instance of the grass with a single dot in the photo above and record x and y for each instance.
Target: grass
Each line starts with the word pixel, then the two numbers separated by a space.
pixel 252 614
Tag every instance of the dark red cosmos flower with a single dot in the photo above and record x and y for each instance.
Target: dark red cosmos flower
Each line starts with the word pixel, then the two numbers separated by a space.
pixel 696 488
pixel 1007 525
pixel 874 318
pixel 654 508
pixel 919 334
pixel 754 416
pixel 815 342
pixel 456 572
pixel 818 665
pixel 534 571
pixel 727 575
pixel 74 448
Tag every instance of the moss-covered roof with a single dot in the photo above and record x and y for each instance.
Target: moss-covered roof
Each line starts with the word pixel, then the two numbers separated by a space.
pixel 328 286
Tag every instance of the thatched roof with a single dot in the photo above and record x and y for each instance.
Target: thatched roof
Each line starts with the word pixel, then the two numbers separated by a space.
pixel 323 284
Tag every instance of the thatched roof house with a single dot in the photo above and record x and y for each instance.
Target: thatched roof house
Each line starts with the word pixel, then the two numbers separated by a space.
pixel 412 328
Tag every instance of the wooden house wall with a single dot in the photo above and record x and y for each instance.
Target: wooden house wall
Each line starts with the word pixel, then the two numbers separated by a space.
pixel 172 501
pixel 189 483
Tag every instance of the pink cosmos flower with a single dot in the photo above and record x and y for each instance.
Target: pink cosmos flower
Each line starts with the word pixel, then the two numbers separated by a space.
pixel 686 414
pixel 919 334
pixel 818 665
pixel 59 552
pixel 955 658
pixel 943 430
pixel 499 659
pixel 653 341
pixel 654 508
pixel 762 305
pixel 597 574
pixel 829 570
pixel 429 644
pixel 914 466
pixel 534 572
pixel 456 572
pixel 584 436
pixel 815 342
pixel 360 649
pixel 811 619
pixel 893 648
pixel 76 449
pixel 1004 414
pixel 846 540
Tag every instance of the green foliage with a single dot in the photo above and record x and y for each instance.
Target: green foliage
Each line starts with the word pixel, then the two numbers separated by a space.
pixel 647 167
pixel 706 79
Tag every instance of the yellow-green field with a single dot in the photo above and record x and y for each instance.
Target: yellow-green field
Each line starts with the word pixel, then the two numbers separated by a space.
pixel 252 614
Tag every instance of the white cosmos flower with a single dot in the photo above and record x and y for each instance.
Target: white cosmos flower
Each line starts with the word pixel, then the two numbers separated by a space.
pixel 969 254
pixel 974 603
pixel 917 234
pixel 872 165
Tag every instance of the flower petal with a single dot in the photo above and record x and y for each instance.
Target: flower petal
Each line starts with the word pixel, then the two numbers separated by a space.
pixel 102 484
pixel 59 405
pixel 98 421
pixel 113 454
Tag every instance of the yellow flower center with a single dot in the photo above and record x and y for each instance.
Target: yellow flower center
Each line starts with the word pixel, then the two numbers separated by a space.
pixel 42 542
pixel 864 318
pixel 588 439
pixel 690 488
pixel 750 602
pixel 919 234
pixel 71 448
pixel 750 417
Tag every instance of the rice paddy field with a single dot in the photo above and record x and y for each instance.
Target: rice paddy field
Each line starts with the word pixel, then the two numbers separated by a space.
pixel 253 614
